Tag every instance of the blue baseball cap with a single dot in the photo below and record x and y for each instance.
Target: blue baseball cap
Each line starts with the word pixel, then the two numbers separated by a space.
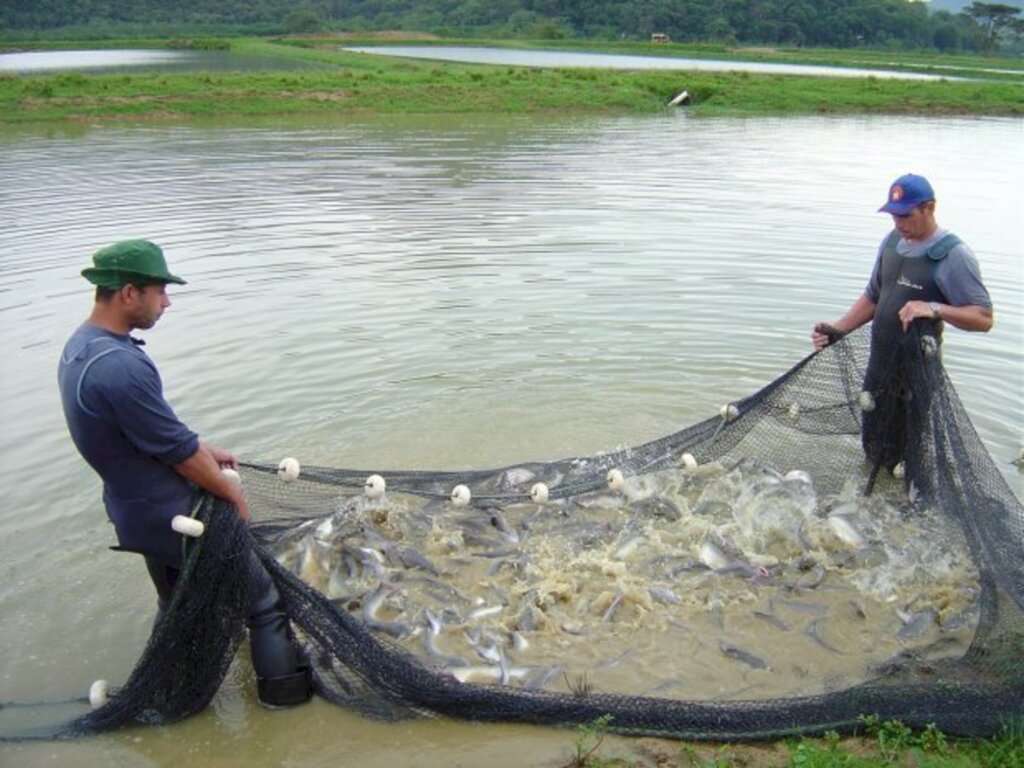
pixel 906 193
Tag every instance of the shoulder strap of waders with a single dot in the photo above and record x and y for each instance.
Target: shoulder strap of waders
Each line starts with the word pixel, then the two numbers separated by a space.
pixel 941 249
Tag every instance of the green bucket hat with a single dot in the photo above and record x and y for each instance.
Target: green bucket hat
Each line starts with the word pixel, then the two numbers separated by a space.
pixel 129 261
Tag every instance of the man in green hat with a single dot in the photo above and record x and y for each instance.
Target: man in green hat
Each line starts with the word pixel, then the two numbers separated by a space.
pixel 152 464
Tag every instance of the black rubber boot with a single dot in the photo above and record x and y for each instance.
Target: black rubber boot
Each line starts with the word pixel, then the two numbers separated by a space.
pixel 282 679
pixel 287 690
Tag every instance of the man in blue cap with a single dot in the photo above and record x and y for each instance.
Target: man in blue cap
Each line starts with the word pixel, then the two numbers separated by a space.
pixel 152 465
pixel 921 272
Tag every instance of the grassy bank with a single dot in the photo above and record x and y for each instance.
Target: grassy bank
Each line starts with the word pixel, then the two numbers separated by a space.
pixel 356 84
pixel 882 744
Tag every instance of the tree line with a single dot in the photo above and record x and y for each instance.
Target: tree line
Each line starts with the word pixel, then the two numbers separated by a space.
pixel 814 23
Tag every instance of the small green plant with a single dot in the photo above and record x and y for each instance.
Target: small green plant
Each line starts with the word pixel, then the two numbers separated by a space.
pixel 892 735
pixel 933 740
pixel 590 737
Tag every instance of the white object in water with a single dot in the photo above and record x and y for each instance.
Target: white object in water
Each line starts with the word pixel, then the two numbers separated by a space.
pixel 799 475
pixel 187 526
pixel 232 475
pixel 899 471
pixel 867 401
pixel 712 556
pixel 729 412
pixel 461 495
pixel 688 460
pixel 683 97
pixel 539 493
pixel 615 480
pixel 98 694
pixel 845 531
pixel 374 486
pixel 288 469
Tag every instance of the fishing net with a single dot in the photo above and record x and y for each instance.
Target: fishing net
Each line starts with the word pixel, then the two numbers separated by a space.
pixel 752 576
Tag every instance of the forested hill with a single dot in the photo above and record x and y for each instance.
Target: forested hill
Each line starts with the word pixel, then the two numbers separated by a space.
pixel 832 23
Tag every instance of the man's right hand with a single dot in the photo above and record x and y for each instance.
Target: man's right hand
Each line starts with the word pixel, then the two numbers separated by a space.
pixel 825 334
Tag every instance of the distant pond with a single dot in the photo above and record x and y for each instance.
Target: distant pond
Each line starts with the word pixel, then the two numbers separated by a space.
pixel 144 60
pixel 531 58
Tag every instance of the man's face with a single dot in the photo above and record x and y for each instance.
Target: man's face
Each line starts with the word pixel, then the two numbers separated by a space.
pixel 918 224
pixel 146 304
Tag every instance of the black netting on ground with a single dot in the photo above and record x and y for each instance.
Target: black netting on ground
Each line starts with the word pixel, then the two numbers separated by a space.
pixel 322 526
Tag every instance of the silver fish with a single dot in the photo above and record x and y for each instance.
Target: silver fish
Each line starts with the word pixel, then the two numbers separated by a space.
pixel 373 604
pixel 732 652
pixel 813 631
pixel 663 595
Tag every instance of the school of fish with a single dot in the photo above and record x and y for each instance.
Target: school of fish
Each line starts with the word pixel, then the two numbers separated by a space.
pixel 710 582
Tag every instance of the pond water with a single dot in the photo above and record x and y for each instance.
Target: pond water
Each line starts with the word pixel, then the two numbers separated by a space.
pixel 532 58
pixel 143 60
pixel 438 293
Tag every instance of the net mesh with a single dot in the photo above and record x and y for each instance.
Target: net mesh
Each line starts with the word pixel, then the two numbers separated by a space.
pixel 319 532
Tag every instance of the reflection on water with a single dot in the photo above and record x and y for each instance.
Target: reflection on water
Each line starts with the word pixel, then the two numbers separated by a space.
pixel 441 293
pixel 142 60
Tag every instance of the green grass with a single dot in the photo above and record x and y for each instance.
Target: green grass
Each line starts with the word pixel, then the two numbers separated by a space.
pixel 888 743
pixel 356 84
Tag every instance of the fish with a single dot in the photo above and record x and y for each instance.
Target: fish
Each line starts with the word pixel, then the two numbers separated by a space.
pixel 655 506
pixel 809 579
pixel 813 631
pixel 373 604
pixel 615 661
pixel 663 595
pixel 485 611
pixel 916 623
pixel 412 558
pixel 539 678
pixel 627 548
pixel 609 614
pixel 712 556
pixel 434 624
pixel 772 619
pixel 846 531
pixel 489 674
pixel 732 652
pixel 508 533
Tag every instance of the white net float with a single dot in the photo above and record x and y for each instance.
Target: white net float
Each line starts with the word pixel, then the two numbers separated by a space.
pixel 187 526
pixel 99 694
pixel 288 469
pixel 461 495
pixel 539 493
pixel 374 486
pixel 866 401
pixel 615 480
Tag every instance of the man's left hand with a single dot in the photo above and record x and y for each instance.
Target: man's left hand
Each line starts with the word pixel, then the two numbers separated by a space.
pixel 224 459
pixel 913 310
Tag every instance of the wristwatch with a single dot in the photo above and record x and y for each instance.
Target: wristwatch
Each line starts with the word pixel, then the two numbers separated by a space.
pixel 934 307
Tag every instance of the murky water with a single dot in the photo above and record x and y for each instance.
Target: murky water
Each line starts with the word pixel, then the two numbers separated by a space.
pixel 441 293
pixel 712 582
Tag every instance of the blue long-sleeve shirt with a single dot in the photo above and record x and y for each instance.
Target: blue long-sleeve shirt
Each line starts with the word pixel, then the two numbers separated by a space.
pixel 124 428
